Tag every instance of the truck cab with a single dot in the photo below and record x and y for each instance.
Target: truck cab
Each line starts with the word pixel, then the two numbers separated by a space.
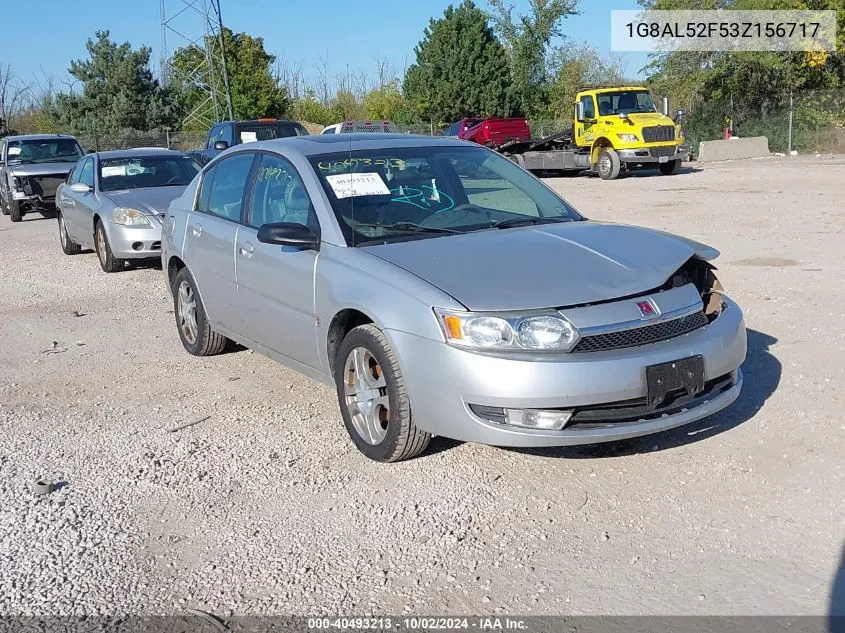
pixel 621 126
pixel 225 134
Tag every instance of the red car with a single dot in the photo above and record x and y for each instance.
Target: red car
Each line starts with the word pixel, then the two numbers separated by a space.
pixel 492 132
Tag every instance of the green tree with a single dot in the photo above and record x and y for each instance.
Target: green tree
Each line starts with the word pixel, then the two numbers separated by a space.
pixel 527 38
pixel 386 102
pixel 461 69
pixel 579 65
pixel 255 91
pixel 309 109
pixel 118 92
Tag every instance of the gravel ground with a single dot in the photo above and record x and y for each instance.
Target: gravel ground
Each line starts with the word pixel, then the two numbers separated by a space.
pixel 266 508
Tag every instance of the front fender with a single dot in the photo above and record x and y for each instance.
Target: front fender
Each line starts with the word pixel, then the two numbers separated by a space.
pixel 598 145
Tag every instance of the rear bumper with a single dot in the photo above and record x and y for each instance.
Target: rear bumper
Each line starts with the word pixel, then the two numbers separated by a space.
pixel 654 155
pixel 134 242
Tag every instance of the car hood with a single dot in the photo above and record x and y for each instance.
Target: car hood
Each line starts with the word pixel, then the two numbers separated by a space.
pixel 546 266
pixel 149 200
pixel 650 118
pixel 41 169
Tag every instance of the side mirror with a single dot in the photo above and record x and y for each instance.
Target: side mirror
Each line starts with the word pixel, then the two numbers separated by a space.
pixel 289 234
pixel 580 110
pixel 80 187
pixel 221 145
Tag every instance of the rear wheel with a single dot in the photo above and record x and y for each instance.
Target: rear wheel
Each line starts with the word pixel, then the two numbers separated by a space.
pixel 69 247
pixel 108 262
pixel 670 168
pixel 15 212
pixel 373 400
pixel 608 165
pixel 194 330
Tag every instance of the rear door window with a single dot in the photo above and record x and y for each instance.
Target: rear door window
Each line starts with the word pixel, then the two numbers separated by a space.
pixel 226 192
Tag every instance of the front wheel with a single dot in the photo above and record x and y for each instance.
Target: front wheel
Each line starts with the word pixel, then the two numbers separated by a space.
pixel 373 400
pixel 609 164
pixel 108 262
pixel 670 168
pixel 15 213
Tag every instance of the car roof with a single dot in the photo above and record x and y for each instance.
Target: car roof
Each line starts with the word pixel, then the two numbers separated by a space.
pixel 318 144
pixel 138 152
pixel 38 137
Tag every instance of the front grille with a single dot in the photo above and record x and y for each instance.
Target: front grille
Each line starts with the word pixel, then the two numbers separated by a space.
pixel 45 186
pixel 644 335
pixel 655 133
pixel 155 246
pixel 657 152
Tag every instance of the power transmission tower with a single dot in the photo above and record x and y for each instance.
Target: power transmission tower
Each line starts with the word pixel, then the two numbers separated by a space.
pixel 197 25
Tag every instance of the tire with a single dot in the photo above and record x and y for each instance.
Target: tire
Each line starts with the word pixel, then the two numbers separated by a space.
pixel 383 429
pixel 194 331
pixel 15 211
pixel 670 168
pixel 69 247
pixel 3 207
pixel 108 262
pixel 608 165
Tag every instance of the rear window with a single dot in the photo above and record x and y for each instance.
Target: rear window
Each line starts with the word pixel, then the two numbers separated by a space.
pixel 250 133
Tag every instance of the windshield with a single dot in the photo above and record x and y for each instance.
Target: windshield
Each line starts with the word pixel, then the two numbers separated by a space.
pixel 146 171
pixel 394 194
pixel 53 150
pixel 249 133
pixel 628 102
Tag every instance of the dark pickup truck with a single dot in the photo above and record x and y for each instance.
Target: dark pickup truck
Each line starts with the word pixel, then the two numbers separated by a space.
pixel 227 133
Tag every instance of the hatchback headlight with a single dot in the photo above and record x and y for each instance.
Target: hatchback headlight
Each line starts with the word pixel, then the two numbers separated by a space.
pixel 628 138
pixel 538 332
pixel 129 217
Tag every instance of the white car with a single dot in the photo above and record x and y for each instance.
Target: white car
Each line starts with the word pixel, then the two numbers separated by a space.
pixel 361 126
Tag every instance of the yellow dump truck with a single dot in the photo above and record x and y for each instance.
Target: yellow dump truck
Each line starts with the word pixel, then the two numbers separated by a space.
pixel 615 128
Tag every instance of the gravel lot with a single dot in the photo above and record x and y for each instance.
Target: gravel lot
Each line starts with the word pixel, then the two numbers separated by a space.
pixel 266 508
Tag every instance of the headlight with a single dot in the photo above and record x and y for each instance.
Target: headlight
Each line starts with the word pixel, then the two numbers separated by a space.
pixel 17 183
pixel 543 332
pixel 129 217
pixel 628 138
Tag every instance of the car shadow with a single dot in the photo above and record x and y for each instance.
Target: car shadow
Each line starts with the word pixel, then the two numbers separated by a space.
pixel 138 264
pixel 836 618
pixel 762 373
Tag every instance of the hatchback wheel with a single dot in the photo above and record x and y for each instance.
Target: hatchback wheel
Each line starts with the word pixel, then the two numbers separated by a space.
pixel 108 262
pixel 373 400
pixel 69 247
pixel 15 212
pixel 194 331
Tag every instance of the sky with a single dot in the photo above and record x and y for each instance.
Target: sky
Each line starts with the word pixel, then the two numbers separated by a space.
pixel 350 33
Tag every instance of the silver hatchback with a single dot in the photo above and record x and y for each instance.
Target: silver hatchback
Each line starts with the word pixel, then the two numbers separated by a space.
pixel 443 290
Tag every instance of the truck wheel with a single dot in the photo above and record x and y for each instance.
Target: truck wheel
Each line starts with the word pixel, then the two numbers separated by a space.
pixel 4 208
pixel 608 165
pixel 69 247
pixel 373 400
pixel 108 262
pixel 15 211
pixel 670 168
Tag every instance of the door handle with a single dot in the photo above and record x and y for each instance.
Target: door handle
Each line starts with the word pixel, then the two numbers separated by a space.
pixel 196 229
pixel 246 249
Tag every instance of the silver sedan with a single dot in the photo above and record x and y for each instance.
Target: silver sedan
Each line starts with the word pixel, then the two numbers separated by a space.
pixel 113 202
pixel 443 290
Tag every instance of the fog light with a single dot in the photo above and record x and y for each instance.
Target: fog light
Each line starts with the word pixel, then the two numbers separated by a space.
pixel 536 419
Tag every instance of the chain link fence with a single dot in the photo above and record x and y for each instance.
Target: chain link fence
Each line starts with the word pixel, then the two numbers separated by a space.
pixel 808 122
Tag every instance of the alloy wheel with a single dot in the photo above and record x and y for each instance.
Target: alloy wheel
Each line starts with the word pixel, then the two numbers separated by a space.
pixel 365 393
pixel 187 312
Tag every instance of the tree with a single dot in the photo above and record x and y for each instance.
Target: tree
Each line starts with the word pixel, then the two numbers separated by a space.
pixel 309 109
pixel 527 39
pixel 256 91
pixel 579 65
pixel 14 97
pixel 461 68
pixel 118 92
pixel 385 102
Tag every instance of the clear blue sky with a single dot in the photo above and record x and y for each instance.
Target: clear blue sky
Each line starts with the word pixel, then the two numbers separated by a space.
pixel 349 32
